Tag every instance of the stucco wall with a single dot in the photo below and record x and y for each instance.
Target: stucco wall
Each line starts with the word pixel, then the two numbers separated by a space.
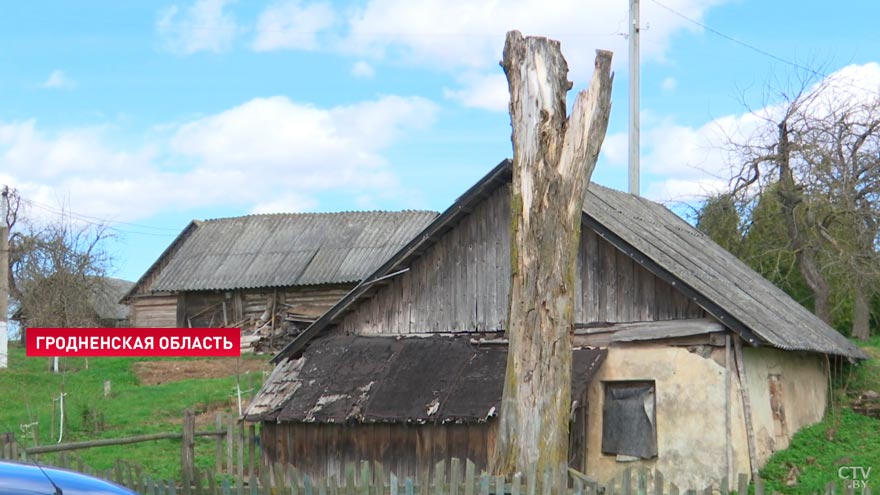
pixel 803 387
pixel 690 420
pixel 690 416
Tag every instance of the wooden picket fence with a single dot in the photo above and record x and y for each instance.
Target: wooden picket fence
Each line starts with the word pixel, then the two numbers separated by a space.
pixel 239 470
pixel 373 479
pixel 236 446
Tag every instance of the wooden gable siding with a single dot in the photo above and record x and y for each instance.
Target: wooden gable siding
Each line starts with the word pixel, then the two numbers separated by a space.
pixel 154 312
pixel 614 288
pixel 458 284
pixel 461 283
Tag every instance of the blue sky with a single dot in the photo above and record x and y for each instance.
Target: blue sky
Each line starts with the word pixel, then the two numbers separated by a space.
pixel 149 114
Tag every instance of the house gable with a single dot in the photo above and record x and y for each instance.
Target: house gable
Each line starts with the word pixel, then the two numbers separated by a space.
pixel 693 277
pixel 460 283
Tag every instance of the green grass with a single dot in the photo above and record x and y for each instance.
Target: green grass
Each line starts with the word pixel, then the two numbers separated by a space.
pixel 29 388
pixel 843 438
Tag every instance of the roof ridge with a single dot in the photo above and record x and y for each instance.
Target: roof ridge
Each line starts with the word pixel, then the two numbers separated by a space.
pixel 317 213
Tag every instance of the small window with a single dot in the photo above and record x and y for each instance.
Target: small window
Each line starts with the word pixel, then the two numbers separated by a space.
pixel 628 421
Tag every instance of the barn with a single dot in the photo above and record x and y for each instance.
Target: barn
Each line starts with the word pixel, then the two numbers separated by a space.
pixel 685 360
pixel 277 270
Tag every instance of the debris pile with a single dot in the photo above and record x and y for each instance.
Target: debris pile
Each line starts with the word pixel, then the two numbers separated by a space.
pixel 271 331
pixel 868 404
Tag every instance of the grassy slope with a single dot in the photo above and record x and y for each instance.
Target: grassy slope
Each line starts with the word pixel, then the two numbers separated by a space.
pixel 28 389
pixel 818 455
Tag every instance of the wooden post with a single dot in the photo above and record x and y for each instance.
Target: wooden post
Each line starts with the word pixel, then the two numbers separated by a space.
pixel 187 446
pixel 252 433
pixel 553 159
pixel 7 439
pixel 241 447
pixel 4 279
pixel 747 406
pixel 218 420
pixel 728 422
pixel 230 446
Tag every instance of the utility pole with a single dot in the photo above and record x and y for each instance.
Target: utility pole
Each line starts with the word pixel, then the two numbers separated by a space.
pixel 634 123
pixel 4 279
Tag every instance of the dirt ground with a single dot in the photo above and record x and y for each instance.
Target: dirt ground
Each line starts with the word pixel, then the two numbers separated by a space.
pixel 159 372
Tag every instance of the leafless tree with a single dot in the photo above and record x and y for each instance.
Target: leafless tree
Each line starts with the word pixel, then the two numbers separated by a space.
pixel 57 269
pixel 818 154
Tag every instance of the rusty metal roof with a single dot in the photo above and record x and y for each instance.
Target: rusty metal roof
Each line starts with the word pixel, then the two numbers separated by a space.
pixel 343 379
pixel 281 250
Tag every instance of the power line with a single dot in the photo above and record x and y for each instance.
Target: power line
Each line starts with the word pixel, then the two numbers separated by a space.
pixel 102 221
pixel 739 42
pixel 756 49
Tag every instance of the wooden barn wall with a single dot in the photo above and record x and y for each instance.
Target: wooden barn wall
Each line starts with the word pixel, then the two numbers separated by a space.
pixel 461 283
pixel 205 308
pixel 615 288
pixel 321 450
pixel 458 284
pixel 154 311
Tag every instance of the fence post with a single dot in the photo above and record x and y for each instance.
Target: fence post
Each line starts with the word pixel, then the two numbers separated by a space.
pixel 187 446
pixel 230 446
pixel 6 441
pixel 252 433
pixel 218 420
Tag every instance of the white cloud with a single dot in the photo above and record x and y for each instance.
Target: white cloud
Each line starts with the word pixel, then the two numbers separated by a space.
pixel 458 35
pixel 292 25
pixel 465 38
pixel 58 80
pixel 202 26
pixel 693 161
pixel 488 92
pixel 669 84
pixel 267 154
pixel 362 69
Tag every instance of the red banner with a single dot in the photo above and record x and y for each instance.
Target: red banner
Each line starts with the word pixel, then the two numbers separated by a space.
pixel 133 342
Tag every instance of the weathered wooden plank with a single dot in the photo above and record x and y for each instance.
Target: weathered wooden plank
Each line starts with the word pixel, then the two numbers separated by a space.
pixel 625 295
pixel 469 478
pixel 658 483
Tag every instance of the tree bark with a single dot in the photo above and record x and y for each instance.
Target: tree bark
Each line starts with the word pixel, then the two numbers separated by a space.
pixel 553 159
pixel 790 197
pixel 861 328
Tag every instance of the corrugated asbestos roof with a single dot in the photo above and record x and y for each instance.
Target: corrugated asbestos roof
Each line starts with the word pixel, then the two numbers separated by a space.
pixel 282 250
pixel 716 274
pixel 343 379
pixel 107 296
pixel 664 244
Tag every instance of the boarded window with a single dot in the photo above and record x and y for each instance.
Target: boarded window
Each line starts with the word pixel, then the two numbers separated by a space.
pixel 628 421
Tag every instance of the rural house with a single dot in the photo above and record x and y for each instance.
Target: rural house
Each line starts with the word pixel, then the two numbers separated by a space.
pixel 103 299
pixel 276 271
pixel 684 356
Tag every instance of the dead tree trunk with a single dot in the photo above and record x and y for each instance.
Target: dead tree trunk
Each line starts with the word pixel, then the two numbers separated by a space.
pixel 553 159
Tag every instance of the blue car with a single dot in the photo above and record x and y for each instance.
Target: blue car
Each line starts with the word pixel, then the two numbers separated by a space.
pixel 29 479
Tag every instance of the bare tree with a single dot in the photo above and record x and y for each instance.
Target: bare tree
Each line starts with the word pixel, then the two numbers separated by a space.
pixel 57 272
pixel 818 154
pixel 553 159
